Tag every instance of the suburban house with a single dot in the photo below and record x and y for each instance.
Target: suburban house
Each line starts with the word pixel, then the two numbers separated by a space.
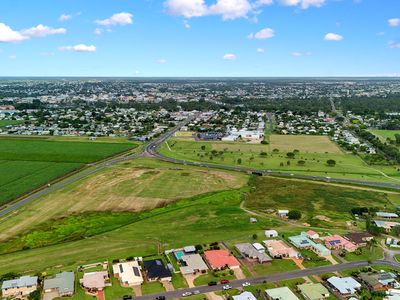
pixel 303 242
pixel 388 226
pixel 379 281
pixel 281 293
pixel 244 296
pixel 156 270
pixel 62 285
pixel 248 250
pixel 218 259
pixel 129 273
pixel 312 235
pixel 271 233
pixel 313 291
pixel 260 248
pixel 279 249
pixel 386 215
pixel 192 263
pixel 22 286
pixel 282 213
pixel 94 281
pixel 346 286
pixel 338 242
pixel 359 238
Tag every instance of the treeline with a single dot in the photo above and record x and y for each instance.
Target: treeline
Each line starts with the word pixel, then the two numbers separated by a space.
pixel 390 151
pixel 370 105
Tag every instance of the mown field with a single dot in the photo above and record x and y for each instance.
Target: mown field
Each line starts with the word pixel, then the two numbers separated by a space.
pixel 385 134
pixel 26 164
pixel 311 158
pixel 4 123
pixel 321 205
pixel 133 186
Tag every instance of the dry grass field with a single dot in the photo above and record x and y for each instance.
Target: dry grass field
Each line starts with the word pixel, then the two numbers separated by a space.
pixel 304 143
pixel 131 186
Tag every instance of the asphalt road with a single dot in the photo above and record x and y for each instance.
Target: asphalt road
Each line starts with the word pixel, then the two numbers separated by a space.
pixel 275 277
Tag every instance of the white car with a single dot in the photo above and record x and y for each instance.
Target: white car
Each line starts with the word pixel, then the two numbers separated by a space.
pixel 186 294
pixel 226 287
pixel 246 284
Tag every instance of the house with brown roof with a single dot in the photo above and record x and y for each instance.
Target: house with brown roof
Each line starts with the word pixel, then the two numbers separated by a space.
pixel 359 238
pixel 94 281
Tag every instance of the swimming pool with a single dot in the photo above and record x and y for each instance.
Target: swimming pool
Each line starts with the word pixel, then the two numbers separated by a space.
pixel 179 254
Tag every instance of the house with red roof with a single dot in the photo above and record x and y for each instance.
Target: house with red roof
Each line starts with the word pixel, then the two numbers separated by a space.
pixel 312 235
pixel 338 242
pixel 218 259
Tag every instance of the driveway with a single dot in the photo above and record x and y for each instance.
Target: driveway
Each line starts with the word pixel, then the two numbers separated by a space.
pixel 168 286
pixel 50 295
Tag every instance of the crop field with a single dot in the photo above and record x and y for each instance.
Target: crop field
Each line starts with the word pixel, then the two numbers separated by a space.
pixel 384 134
pixel 321 205
pixel 264 157
pixel 137 185
pixel 26 164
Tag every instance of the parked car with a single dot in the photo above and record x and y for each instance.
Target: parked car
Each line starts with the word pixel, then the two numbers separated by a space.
pixel 246 284
pixel 127 297
pixel 211 283
pixel 224 281
pixel 196 292
pixel 226 287
pixel 186 294
pixel 160 298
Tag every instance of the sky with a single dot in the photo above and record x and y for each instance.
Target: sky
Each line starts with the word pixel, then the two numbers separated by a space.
pixel 190 38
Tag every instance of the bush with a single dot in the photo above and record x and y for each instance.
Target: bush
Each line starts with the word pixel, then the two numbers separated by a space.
pixel 294 215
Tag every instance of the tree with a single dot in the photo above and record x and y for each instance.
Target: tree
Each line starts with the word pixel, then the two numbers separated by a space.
pixel 301 162
pixel 203 147
pixel 294 215
pixel 255 236
pixel 239 161
pixel 331 162
pixel 290 155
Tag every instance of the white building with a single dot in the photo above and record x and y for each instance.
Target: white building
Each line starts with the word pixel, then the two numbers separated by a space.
pixel 129 273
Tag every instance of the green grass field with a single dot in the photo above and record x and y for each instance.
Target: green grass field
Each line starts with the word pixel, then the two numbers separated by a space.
pixel 333 204
pixel 4 123
pixel 26 164
pixel 384 134
pixel 259 156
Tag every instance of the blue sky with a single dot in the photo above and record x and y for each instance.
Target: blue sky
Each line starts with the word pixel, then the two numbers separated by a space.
pixel 199 38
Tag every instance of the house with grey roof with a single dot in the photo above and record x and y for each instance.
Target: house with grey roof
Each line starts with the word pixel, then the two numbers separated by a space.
pixel 248 250
pixel 22 286
pixel 60 286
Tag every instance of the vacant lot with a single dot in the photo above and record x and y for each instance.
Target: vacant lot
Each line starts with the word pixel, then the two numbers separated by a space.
pixel 303 143
pixel 259 156
pixel 134 186
pixel 320 205
pixel 385 134
pixel 26 164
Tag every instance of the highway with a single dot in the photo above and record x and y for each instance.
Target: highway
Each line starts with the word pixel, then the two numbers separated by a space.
pixel 276 277
pixel 150 150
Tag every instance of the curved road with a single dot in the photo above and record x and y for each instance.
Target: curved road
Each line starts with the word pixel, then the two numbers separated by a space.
pixel 276 277
pixel 150 150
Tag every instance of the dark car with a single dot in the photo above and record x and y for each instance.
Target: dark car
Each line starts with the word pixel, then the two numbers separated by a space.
pixel 160 298
pixel 212 283
pixel 224 281
pixel 127 297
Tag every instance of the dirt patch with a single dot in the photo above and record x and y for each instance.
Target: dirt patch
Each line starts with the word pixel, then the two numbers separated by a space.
pixel 322 218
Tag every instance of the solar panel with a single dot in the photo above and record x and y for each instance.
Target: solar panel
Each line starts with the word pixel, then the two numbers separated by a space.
pixel 136 271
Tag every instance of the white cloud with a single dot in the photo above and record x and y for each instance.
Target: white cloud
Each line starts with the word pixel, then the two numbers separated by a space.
pixel 263 34
pixel 79 48
pixel 186 24
pixel 122 18
pixel 12 56
pixel 260 50
pixel 42 31
pixel 162 61
pixel 48 54
pixel 229 56
pixel 186 8
pixel 394 45
pixel 263 2
pixel 304 4
pixel 297 54
pixel 64 17
pixel 394 22
pixel 231 9
pixel 98 31
pixel 333 37
pixel 7 35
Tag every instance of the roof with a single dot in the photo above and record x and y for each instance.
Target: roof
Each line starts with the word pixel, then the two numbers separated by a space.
pixel 337 240
pixel 271 231
pixel 244 296
pixel 311 232
pixel 221 258
pixel 64 282
pixel 94 280
pixel 386 224
pixel 386 215
pixel 278 248
pixel 281 293
pixel 258 246
pixel 189 249
pixel 155 269
pixel 358 237
pixel 345 285
pixel 23 281
pixel 283 211
pixel 128 272
pixel 313 291
pixel 193 263
pixel 247 249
